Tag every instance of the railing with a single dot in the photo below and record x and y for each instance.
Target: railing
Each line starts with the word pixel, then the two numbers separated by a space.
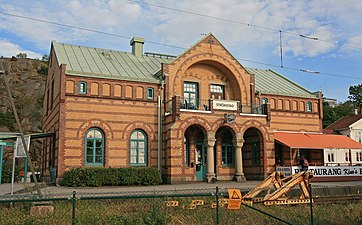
pixel 195 104
pixel 253 109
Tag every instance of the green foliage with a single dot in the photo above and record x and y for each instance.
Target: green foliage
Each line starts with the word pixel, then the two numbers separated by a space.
pixel 331 115
pixel 45 57
pixel 7 170
pixel 7 120
pixel 96 177
pixel 43 70
pixel 355 94
pixel 21 55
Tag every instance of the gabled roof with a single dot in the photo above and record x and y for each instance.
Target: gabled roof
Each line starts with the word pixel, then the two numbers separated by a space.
pixel 316 141
pixel 342 124
pixel 271 82
pixel 110 64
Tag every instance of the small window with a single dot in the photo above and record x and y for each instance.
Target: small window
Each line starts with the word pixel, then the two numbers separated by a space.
pixel 82 88
pixel 309 107
pixel 330 157
pixel 150 93
pixel 346 156
pixel 264 101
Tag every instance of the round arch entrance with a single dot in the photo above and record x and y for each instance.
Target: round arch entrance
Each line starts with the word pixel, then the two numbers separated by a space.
pixel 253 154
pixel 225 153
pixel 195 152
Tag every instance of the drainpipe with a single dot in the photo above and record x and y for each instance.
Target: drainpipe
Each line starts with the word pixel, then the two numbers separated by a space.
pixel 159 132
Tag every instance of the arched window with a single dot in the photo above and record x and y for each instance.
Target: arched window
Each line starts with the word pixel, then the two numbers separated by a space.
pixel 94 147
pixel 264 101
pixel 309 107
pixel 82 87
pixel 138 148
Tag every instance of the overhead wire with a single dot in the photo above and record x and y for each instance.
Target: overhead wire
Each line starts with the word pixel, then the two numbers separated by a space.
pixel 166 45
pixel 244 23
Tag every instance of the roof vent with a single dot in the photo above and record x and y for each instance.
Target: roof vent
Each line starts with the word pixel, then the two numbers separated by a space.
pixel 137 46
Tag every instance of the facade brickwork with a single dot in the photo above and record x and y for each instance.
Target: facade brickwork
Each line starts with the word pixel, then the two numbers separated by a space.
pixel 242 148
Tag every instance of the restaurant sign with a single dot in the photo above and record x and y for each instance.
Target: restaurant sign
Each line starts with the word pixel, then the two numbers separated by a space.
pixel 325 171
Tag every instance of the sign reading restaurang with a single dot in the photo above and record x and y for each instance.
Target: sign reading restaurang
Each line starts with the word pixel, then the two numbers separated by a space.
pixel 325 171
pixel 225 105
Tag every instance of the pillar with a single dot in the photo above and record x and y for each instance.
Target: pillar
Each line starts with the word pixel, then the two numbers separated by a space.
pixel 238 144
pixel 210 143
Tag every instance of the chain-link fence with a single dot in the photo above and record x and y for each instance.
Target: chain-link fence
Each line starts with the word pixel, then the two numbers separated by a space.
pixel 184 207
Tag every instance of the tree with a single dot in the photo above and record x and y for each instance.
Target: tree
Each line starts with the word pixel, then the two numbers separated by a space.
pixel 21 55
pixel 331 115
pixel 355 94
pixel 45 57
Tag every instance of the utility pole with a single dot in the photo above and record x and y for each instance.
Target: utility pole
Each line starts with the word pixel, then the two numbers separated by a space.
pixel 3 74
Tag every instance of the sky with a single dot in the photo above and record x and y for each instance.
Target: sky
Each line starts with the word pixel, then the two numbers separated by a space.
pixel 321 37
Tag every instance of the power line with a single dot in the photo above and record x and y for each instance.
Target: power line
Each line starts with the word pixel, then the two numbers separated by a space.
pixel 242 23
pixel 168 45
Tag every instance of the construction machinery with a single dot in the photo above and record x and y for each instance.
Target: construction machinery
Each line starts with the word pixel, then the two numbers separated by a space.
pixel 276 188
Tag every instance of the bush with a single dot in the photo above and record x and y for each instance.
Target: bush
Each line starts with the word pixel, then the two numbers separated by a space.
pixel 96 177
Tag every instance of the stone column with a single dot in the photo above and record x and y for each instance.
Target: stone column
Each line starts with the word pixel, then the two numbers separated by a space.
pixel 238 144
pixel 210 143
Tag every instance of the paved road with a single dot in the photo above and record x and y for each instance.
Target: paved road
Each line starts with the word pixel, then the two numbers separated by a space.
pixel 6 188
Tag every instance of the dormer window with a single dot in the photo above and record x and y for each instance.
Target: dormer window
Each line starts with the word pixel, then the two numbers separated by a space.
pixel 82 87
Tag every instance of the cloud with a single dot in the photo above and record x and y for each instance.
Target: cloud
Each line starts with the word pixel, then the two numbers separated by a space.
pixel 329 20
pixel 8 49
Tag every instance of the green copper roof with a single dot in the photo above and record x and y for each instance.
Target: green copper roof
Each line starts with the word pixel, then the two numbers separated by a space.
pixel 271 82
pixel 111 64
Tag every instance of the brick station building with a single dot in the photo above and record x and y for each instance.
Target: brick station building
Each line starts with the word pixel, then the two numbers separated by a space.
pixel 197 117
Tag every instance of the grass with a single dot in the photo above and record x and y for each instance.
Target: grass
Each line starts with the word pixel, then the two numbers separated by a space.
pixel 154 211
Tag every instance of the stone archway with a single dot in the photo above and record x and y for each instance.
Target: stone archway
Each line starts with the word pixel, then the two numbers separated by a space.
pixel 253 154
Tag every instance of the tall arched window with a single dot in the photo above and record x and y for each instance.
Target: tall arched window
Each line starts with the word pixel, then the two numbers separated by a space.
pixel 94 147
pixel 138 148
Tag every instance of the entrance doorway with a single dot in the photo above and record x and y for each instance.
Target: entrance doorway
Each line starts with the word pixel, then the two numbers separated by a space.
pixel 201 157
pixel 253 154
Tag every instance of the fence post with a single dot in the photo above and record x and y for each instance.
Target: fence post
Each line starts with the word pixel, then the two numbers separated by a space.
pixel 217 205
pixel 311 204
pixel 73 208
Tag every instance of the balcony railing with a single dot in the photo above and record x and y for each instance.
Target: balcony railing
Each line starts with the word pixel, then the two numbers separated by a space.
pixel 195 104
pixel 209 105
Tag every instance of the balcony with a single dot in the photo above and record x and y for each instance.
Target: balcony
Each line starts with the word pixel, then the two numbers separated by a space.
pixel 178 104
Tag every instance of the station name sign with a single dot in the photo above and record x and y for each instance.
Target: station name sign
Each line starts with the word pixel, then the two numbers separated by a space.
pixel 325 171
pixel 225 105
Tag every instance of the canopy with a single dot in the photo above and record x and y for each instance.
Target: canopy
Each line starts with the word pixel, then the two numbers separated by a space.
pixel 316 141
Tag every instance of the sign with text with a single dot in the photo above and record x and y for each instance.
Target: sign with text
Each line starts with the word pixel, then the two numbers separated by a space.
pixel 19 148
pixel 234 199
pixel 225 105
pixel 284 169
pixel 325 171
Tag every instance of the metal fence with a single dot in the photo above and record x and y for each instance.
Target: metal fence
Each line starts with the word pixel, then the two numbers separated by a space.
pixel 180 207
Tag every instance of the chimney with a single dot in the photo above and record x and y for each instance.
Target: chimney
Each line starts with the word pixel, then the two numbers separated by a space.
pixel 137 46
pixel 355 111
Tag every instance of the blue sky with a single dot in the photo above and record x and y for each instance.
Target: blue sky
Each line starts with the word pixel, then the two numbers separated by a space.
pixel 337 54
